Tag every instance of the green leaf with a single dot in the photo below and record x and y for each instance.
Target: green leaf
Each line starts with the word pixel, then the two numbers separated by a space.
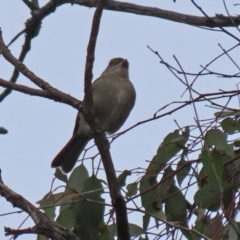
pixel 199 226
pixel 226 113
pixel 41 237
pixel 47 203
pixel 167 182
pixel 132 189
pixel 171 145
pixel 66 218
pixel 176 206
pixel 146 220
pixel 208 226
pixel 231 170
pixel 232 231
pixel 59 175
pixel 113 229
pixel 182 174
pixel 230 125
pixel 64 197
pixel 208 167
pixel 77 177
pixel 217 161
pixel 105 233
pixel 149 198
pixel 159 215
pixel 122 178
pixel 209 195
pixel 217 138
pixel 188 234
pixel 212 163
pixel 92 188
pixel 134 229
pixel 90 209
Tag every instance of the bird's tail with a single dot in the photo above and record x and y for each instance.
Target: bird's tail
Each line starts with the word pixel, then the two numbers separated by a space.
pixel 69 155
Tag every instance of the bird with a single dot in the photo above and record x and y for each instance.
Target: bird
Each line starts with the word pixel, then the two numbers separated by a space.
pixel 113 99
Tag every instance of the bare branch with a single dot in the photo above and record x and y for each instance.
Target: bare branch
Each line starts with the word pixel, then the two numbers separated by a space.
pixel 56 94
pixel 43 226
pixel 31 91
pixel 99 136
pixel 211 22
pixel 33 24
pixel 31 31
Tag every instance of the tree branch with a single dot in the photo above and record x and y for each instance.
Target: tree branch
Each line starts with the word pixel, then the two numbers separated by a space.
pixel 216 21
pixel 31 31
pixel 55 93
pixel 32 91
pixel 33 24
pixel 212 22
pixel 99 136
pixel 43 226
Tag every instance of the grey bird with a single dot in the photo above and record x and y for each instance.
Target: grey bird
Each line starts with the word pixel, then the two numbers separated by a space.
pixel 113 99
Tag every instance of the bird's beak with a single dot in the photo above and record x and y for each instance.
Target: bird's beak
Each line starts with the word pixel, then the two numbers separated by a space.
pixel 124 63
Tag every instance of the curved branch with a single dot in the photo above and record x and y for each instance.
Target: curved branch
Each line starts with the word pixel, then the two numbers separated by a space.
pixel 216 21
pixel 212 22
pixel 30 91
pixel 43 226
pixel 33 24
pixel 31 31
pixel 55 93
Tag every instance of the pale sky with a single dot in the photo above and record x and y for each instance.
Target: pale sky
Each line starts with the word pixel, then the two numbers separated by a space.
pixel 39 128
